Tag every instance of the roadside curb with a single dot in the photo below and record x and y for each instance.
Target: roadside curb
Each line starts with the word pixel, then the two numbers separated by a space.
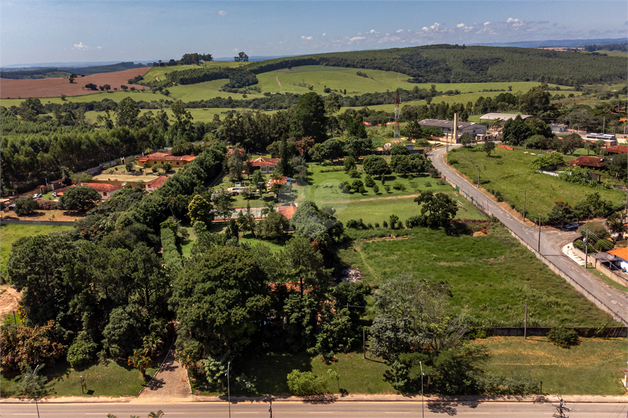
pixel 334 398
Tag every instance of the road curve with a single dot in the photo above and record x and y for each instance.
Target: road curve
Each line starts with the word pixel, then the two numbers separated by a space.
pixel 609 299
pixel 300 410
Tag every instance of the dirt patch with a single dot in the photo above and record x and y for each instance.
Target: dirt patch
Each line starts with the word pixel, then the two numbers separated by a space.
pixel 43 215
pixel 9 299
pixel 389 238
pixel 55 87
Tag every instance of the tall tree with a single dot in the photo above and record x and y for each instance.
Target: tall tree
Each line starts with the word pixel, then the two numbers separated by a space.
pixel 127 113
pixel 308 118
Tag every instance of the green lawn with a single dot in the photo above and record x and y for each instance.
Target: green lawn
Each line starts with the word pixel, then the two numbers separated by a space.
pixel 357 376
pixel 111 379
pixel 508 172
pixel 492 277
pixel 592 368
pixel 11 233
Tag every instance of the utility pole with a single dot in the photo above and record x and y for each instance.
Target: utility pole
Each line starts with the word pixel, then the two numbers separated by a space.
pixel 228 388
pixel 525 324
pixel 478 177
pixel 35 388
pixel 539 245
pixel 422 406
pixel 524 206
pixel 586 249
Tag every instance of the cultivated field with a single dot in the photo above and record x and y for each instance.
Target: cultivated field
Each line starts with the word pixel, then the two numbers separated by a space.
pixel 51 87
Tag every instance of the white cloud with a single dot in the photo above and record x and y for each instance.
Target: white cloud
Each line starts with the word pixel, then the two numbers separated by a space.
pixel 374 32
pixel 399 30
pixel 307 38
pixel 356 38
pixel 324 34
pixel 99 47
pixel 425 28
pixel 222 13
pixel 460 25
pixel 514 22
pixel 487 23
pixel 80 46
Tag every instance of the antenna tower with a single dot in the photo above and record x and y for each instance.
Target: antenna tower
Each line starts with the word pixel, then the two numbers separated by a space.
pixel 397 138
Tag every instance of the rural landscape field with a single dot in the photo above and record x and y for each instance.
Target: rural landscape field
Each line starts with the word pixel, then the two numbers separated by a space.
pixel 409 223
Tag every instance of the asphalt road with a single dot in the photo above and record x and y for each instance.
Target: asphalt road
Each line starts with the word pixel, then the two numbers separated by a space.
pixel 300 410
pixel 551 244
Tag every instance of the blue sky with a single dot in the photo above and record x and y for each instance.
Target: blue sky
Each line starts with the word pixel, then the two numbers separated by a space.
pixel 125 30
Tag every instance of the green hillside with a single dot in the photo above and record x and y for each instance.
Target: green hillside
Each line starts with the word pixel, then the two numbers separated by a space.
pixel 456 64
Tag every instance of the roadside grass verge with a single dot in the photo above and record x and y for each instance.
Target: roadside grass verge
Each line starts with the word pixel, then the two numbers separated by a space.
pixel 606 279
pixel 508 172
pixel 591 368
pixel 11 233
pixel 491 277
pixel 110 379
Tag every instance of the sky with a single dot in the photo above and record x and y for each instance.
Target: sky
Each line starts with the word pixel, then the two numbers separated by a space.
pixel 126 30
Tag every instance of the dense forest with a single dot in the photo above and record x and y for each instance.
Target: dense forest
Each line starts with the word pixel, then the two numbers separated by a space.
pixel 468 64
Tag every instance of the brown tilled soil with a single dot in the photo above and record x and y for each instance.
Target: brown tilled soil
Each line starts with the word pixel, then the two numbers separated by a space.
pixel 54 87
pixel 8 300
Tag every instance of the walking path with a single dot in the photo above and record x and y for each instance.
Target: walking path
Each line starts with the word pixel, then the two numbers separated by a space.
pixel 169 384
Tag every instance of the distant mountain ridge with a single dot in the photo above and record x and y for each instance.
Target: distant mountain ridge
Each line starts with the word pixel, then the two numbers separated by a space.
pixel 557 43
pixel 59 72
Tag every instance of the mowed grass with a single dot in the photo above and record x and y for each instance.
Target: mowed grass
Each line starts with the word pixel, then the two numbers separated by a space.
pixel 509 173
pixel 11 233
pixel 492 277
pixel 591 368
pixel 159 72
pixel 110 379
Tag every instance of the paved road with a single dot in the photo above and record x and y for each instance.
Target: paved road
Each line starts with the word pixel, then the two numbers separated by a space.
pixel 551 245
pixel 300 410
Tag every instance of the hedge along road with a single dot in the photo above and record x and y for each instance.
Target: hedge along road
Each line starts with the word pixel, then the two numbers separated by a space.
pixel 608 299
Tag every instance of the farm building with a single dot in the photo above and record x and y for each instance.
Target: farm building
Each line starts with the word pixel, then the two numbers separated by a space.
pixel 447 126
pixel 588 162
pixel 162 157
pixel 503 117
pixel 265 165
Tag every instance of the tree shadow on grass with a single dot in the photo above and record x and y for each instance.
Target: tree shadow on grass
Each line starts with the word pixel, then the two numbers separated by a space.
pixel 270 370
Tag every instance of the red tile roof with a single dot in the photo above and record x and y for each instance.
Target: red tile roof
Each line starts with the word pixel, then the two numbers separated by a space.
pixel 281 180
pixel 619 149
pixel 287 211
pixel 165 156
pixel 584 161
pixel 264 162
pixel 621 252
pixel 156 183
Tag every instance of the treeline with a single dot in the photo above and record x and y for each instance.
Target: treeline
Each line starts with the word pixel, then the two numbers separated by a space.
pixel 186 59
pixel 623 47
pixel 468 64
pixel 238 77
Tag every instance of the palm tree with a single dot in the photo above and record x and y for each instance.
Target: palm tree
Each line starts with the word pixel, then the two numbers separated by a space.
pixel 157 414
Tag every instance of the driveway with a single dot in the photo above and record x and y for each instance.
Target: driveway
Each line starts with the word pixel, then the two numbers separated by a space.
pixel 551 243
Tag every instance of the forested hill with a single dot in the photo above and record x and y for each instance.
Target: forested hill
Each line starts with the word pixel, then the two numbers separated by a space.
pixel 468 64
pixel 59 72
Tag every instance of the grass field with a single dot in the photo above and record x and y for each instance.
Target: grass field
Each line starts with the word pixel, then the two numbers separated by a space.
pixel 508 172
pixel 111 379
pixel 11 233
pixel 592 368
pixel 492 277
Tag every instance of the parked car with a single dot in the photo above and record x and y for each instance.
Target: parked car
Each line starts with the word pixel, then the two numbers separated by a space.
pixel 572 226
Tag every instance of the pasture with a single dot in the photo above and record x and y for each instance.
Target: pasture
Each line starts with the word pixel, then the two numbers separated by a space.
pixel 508 172
pixel 491 277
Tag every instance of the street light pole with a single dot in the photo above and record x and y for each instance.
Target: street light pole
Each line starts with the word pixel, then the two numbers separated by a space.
pixel 422 407
pixel 34 390
pixel 228 388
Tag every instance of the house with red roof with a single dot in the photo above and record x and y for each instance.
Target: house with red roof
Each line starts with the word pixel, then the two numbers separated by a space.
pixel 584 161
pixel 151 186
pixel 162 157
pixel 265 165
pixel 622 256
pixel 104 190
pixel 618 149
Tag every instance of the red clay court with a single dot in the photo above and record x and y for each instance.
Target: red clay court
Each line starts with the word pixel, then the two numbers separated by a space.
pixel 55 87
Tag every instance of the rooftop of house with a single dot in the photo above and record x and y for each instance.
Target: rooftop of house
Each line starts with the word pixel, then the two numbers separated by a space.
pixel 585 161
pixel 621 252
pixel 165 156
pixel 157 182
pixel 446 123
pixel 619 149
pixel 287 211
pixel 264 162
pixel 503 116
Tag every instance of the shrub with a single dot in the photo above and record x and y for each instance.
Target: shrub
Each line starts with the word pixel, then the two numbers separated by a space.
pixel 354 174
pixel 305 383
pixel 376 224
pixel 25 206
pixel 387 188
pixel 359 224
pixel 581 246
pixel 603 245
pixel 428 184
pixel 563 337
pixel 368 181
pixel 397 186
pixel 375 188
pixel 357 185
pixel 385 224
pixel 415 221
pixel 394 219
pixel 82 351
